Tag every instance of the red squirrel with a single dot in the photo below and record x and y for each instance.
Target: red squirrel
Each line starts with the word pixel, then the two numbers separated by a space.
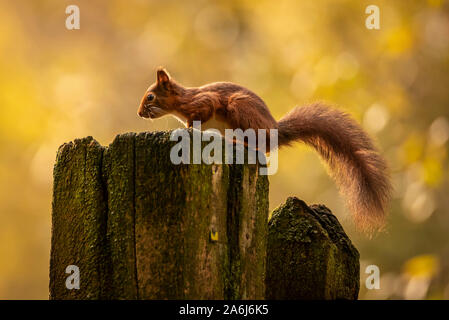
pixel 354 162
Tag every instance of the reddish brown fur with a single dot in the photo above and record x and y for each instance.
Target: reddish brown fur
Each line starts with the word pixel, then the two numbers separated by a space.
pixel 354 163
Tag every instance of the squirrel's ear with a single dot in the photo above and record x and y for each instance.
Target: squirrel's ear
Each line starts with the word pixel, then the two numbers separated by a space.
pixel 163 78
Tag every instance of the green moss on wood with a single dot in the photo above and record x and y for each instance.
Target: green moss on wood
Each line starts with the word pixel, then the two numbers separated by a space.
pixel 79 220
pixel 119 171
pixel 146 223
pixel 309 256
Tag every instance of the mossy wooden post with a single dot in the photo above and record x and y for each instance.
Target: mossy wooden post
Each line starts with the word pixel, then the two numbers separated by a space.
pixel 140 227
pixel 309 256
pixel 78 220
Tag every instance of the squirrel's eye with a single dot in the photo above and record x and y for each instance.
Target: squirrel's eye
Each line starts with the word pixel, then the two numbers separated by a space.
pixel 150 97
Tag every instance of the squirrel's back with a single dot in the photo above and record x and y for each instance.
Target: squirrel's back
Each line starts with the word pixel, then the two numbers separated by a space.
pixel 240 106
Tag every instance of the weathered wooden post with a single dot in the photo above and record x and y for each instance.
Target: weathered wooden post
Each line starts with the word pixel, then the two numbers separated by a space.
pixel 309 256
pixel 139 227
pixel 79 220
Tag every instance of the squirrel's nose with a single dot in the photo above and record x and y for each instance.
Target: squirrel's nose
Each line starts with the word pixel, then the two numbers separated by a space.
pixel 142 114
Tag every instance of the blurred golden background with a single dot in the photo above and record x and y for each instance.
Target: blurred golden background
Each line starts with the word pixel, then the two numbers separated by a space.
pixel 57 85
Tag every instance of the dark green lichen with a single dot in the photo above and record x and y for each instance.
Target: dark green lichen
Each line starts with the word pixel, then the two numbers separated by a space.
pixel 138 226
pixel 309 256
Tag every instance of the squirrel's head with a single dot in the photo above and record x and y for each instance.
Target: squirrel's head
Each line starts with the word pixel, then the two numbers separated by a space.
pixel 161 98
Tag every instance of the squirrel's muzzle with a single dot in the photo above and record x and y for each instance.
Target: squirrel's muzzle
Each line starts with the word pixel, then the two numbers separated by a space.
pixel 146 111
pixel 143 113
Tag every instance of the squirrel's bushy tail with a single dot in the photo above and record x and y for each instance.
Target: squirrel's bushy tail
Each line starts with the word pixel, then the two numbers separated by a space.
pixel 359 171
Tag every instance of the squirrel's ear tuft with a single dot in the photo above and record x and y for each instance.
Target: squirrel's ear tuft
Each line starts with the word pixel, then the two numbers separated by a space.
pixel 162 76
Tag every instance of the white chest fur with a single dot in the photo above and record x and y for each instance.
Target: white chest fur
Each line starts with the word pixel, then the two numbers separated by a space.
pixel 212 123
